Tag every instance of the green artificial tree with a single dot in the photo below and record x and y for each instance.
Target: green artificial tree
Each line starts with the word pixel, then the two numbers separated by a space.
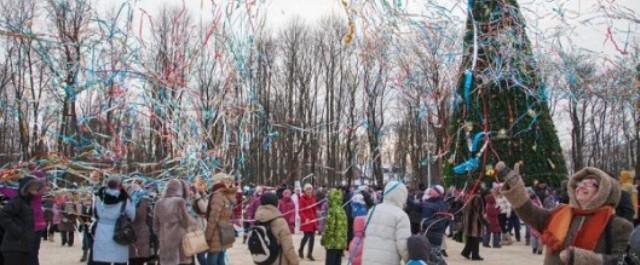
pixel 501 110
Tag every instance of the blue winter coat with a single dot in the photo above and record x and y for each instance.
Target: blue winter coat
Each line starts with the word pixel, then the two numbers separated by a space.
pixel 434 222
pixel 104 248
pixel 358 209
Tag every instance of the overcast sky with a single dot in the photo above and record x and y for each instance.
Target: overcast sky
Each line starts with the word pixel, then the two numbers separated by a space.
pixel 578 20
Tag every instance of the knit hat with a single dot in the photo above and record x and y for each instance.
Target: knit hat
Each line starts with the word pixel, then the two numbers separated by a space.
pixel 269 198
pixel 439 189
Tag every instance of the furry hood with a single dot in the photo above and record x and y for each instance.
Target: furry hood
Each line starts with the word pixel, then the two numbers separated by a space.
pixel 608 191
pixel 175 188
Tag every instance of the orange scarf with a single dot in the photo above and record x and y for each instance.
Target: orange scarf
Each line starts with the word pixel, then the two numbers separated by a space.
pixel 557 227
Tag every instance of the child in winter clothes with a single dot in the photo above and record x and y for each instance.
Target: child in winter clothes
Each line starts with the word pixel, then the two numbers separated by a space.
pixel 358 206
pixel 287 208
pixel 355 247
pixel 419 249
pixel 334 238
pixel 493 224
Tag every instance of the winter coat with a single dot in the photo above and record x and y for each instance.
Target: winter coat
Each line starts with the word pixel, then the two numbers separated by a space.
pixel 69 216
pixel 434 219
pixel 107 212
pixel 625 207
pixel 287 208
pixel 142 225
pixel 473 219
pixel 57 215
pixel 171 221
pixel 47 204
pixel 16 218
pixel 335 232
pixel 357 243
pixel 321 215
pixel 492 212
pixel 358 209
pixel 388 230
pixel 281 231
pixel 237 211
pixel 220 212
pixel 308 215
pixel 200 203
pixel 38 213
pixel 608 194
pixel 414 210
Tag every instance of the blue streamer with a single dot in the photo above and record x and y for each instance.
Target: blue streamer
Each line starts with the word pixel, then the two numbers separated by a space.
pixel 467 166
pixel 468 77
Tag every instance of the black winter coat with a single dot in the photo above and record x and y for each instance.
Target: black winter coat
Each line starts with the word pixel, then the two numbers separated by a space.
pixel 625 207
pixel 17 220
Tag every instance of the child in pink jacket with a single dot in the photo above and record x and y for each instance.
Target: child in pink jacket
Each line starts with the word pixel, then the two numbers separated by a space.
pixel 287 208
pixel 357 243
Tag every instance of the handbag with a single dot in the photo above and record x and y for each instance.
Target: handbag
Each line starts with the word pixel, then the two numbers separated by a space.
pixel 193 243
pixel 227 234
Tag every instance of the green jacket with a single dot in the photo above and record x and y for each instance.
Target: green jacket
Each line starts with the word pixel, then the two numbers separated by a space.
pixel 335 233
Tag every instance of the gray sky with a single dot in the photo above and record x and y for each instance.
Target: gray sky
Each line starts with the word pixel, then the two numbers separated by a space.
pixel 578 21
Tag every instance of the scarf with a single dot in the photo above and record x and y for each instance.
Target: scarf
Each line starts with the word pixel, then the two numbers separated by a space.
pixel 109 196
pixel 557 227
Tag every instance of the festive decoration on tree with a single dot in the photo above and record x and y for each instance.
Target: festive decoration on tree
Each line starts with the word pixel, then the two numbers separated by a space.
pixel 500 108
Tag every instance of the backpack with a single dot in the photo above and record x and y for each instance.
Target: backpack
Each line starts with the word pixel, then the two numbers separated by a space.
pixel 124 233
pixel 262 244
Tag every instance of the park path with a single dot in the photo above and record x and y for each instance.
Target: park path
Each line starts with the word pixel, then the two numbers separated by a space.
pixel 518 254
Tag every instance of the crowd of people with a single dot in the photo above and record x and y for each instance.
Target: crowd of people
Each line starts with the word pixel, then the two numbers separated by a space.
pixel 588 220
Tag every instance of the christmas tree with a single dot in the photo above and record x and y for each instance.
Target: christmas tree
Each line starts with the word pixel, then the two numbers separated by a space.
pixel 500 108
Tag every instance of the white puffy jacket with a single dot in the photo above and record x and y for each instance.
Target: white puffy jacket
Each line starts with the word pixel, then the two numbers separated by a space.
pixel 386 234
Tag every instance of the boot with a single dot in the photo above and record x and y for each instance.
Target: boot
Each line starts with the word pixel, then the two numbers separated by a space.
pixel 300 254
pixel 310 257
pixel 444 253
pixel 84 256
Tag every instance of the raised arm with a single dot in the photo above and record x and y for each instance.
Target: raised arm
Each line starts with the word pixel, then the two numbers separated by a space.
pixel 513 189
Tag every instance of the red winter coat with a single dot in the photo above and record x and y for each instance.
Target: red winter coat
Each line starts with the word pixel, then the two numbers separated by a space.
pixel 308 222
pixel 287 208
pixel 357 243
pixel 493 211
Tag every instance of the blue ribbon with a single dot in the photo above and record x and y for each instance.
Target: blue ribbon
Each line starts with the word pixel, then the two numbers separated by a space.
pixel 467 166
pixel 468 77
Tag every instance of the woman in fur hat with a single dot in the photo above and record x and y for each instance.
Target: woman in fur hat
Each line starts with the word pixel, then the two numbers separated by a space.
pixel 584 232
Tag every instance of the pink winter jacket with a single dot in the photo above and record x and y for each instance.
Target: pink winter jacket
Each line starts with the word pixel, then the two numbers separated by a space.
pixel 357 243
pixel 287 208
